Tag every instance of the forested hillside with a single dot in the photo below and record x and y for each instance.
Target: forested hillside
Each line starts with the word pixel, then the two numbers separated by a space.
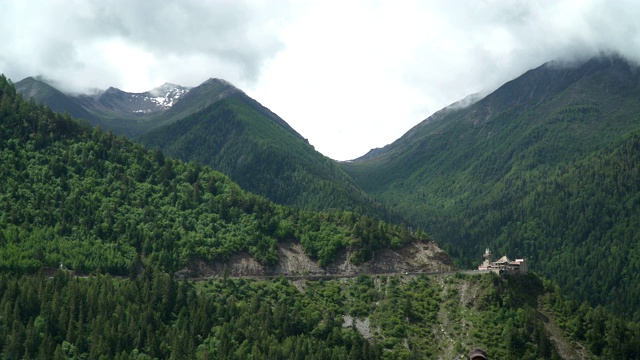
pixel 99 204
pixel 261 156
pixel 216 124
pixel 154 316
pixel 94 201
pixel 546 168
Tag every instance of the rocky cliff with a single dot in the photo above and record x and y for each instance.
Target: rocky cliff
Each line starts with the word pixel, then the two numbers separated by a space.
pixel 415 257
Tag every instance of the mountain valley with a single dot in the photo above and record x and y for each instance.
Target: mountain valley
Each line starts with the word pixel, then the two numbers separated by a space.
pixel 545 167
pixel 217 124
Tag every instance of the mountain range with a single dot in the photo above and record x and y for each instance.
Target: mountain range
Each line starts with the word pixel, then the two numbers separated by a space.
pixel 217 124
pixel 85 199
pixel 544 168
pixel 114 109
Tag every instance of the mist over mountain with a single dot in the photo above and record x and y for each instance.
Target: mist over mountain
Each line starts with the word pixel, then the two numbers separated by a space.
pixel 116 101
pixel 56 100
pixel 112 109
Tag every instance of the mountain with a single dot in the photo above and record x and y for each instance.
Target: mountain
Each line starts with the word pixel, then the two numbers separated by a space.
pixel 117 103
pixel 133 114
pixel 76 200
pixel 242 139
pixel 42 92
pixel 544 167
pixel 217 124
pixel 209 93
pixel 92 200
pixel 113 109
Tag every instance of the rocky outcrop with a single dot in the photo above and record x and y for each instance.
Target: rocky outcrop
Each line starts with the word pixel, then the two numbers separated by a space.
pixel 412 258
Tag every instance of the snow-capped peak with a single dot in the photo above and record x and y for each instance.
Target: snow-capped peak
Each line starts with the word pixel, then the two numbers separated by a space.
pixel 166 94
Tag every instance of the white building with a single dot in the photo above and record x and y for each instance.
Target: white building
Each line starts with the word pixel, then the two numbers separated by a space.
pixel 503 265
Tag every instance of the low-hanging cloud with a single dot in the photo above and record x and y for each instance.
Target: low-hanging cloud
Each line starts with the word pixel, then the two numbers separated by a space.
pixel 480 45
pixel 81 44
pixel 399 62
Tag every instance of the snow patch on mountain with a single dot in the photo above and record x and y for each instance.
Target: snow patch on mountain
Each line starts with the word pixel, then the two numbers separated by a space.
pixel 156 100
pixel 166 95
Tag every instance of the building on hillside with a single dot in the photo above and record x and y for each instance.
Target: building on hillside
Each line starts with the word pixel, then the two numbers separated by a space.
pixel 503 265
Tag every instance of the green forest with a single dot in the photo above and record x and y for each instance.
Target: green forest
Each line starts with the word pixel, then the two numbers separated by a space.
pixel 262 156
pixel 92 201
pixel 155 316
pixel 118 220
pixel 546 167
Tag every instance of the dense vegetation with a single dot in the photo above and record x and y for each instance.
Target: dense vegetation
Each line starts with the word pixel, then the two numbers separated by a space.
pixel 604 335
pixel 155 316
pixel 261 156
pixel 218 125
pixel 98 203
pixel 90 200
pixel 545 168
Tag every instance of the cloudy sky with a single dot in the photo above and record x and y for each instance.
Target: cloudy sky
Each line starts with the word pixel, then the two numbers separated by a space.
pixel 348 75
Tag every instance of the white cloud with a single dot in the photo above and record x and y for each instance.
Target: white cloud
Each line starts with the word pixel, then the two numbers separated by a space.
pixel 380 69
pixel 130 44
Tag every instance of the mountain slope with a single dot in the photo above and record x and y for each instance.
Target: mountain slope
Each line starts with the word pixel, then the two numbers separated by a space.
pixel 91 200
pixel 154 316
pixel 217 124
pixel 55 99
pixel 238 136
pixel 210 92
pixel 241 140
pixel 479 176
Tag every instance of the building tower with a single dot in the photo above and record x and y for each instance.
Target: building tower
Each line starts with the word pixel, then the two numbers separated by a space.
pixel 488 257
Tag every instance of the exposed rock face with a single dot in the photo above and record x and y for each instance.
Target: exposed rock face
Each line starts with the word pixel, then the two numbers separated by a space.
pixel 363 326
pixel 415 257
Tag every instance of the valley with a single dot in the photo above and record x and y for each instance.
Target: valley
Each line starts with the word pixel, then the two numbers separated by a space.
pixel 347 258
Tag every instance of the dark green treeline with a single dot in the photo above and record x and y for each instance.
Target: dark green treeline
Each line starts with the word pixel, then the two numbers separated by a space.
pixel 155 316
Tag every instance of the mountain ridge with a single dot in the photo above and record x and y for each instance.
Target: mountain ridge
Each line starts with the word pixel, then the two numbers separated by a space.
pixel 102 204
pixel 471 176
pixel 92 200
pixel 540 77
pixel 217 124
